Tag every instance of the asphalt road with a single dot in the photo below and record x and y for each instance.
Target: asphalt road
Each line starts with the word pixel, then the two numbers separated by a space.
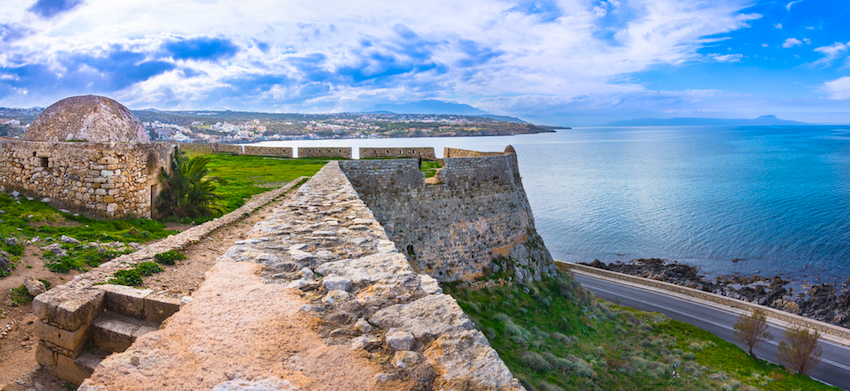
pixel 834 368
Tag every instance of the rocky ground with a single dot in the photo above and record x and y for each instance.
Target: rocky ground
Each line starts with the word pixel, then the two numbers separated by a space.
pixel 17 340
pixel 823 302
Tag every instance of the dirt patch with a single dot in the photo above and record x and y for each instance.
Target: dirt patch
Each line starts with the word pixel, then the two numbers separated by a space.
pixel 17 347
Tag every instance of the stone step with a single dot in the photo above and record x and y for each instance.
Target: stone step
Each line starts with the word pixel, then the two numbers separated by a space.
pixel 114 332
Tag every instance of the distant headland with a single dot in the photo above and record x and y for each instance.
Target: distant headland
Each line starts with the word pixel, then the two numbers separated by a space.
pixel 765 120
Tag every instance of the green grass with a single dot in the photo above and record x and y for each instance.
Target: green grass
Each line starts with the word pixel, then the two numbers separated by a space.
pixel 169 257
pixel 430 168
pixel 554 335
pixel 20 296
pixel 246 176
pixel 148 269
pixel 126 277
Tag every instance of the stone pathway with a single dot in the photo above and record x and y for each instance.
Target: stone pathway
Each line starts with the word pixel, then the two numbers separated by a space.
pixel 317 298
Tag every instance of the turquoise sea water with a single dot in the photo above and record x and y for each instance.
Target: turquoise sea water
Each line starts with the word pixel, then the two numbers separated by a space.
pixel 776 197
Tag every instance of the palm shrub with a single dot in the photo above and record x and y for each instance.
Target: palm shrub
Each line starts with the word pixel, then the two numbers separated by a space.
pixel 188 191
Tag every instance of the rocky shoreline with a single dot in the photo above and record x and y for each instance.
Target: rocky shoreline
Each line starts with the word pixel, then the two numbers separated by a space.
pixel 823 302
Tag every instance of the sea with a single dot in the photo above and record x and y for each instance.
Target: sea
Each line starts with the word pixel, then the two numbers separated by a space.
pixel 769 200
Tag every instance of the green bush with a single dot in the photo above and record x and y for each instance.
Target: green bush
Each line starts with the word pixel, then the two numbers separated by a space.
pixel 20 296
pixel 126 277
pixel 169 257
pixel 535 361
pixel 187 190
pixel 148 268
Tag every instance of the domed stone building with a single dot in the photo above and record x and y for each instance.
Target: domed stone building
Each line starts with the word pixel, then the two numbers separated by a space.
pixel 88 153
pixel 87 118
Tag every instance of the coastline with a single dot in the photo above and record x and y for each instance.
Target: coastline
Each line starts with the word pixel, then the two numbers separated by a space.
pixel 823 302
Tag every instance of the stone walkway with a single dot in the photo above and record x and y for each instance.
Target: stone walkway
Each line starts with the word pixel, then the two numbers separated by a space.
pixel 317 298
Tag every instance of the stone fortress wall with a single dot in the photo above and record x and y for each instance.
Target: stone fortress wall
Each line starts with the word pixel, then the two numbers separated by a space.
pixel 474 221
pixel 106 179
pixel 424 153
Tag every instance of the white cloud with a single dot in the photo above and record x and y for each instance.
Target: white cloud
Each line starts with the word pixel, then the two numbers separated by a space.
pixel 807 41
pixel 838 89
pixel 778 26
pixel 788 6
pixel 810 27
pixel 831 52
pixel 791 42
pixel 764 45
pixel 727 57
pixel 416 51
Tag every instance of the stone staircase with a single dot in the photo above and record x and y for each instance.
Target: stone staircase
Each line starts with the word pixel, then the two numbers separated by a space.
pixel 110 320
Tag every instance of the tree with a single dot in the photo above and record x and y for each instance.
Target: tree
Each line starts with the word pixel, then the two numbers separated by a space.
pixel 751 330
pixel 802 351
pixel 187 191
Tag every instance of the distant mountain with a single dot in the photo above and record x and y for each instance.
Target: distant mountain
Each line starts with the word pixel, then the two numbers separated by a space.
pixel 427 107
pixel 504 118
pixel 765 120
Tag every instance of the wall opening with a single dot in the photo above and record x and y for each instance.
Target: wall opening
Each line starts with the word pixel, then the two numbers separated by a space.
pixel 43 162
pixel 154 193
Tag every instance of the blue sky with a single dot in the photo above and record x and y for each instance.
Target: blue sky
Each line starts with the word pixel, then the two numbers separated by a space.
pixel 571 62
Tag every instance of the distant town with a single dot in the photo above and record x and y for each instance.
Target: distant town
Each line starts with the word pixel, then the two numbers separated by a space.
pixel 249 127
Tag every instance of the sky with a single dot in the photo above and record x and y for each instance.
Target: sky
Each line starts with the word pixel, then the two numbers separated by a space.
pixel 570 62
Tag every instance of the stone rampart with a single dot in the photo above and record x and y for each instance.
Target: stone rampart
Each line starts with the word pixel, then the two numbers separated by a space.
pixel 329 152
pixel 822 327
pixel 475 221
pixel 203 148
pixel 108 180
pixel 424 153
pixel 321 266
pixel 251 150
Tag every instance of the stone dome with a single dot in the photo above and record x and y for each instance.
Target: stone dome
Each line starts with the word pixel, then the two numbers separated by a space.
pixel 87 118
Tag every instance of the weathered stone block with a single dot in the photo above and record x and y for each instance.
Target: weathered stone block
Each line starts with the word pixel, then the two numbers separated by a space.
pixel 108 199
pixel 67 308
pixel 125 300
pixel 69 370
pixel 46 357
pixel 160 306
pixel 71 340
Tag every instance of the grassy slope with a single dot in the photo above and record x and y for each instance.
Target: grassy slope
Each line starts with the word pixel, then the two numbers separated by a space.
pixel 554 335
pixel 249 175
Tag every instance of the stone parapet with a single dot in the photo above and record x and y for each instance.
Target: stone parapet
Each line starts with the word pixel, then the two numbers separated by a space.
pixel 388 152
pixel 474 221
pixel 823 328
pixel 250 150
pixel 326 152
pixel 108 180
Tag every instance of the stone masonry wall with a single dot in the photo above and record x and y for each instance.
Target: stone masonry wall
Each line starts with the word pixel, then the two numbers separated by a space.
pixel 343 152
pixel 251 150
pixel 425 153
pixel 104 179
pixel 455 152
pixel 474 222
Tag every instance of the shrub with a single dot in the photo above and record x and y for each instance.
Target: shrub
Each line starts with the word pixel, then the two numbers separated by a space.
pixel 535 361
pixel 169 257
pixel 20 296
pixel 187 191
pixel 126 277
pixel 148 269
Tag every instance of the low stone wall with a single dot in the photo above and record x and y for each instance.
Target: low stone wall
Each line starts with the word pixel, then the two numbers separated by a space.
pixel 343 152
pixel 66 311
pixel 823 328
pixel 424 153
pixel 267 151
pixel 354 289
pixel 204 148
pixel 228 148
pixel 107 180
pixel 456 152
